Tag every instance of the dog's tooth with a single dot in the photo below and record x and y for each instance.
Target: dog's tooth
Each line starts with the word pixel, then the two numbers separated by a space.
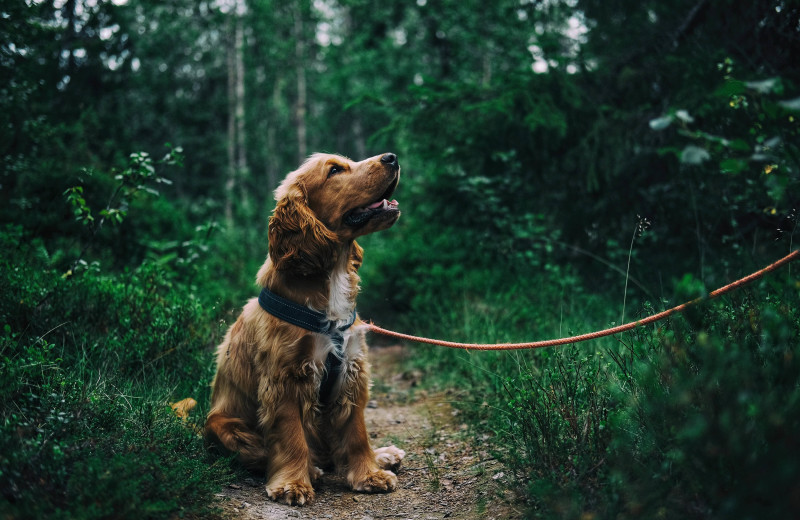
pixel 385 204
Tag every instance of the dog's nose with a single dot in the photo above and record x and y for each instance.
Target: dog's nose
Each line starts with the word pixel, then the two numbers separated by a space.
pixel 389 158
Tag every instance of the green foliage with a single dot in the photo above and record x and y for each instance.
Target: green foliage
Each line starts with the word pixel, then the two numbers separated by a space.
pixel 76 448
pixel 758 143
pixel 554 429
pixel 691 418
pixel 705 415
pixel 532 136
pixel 89 365
pixel 83 213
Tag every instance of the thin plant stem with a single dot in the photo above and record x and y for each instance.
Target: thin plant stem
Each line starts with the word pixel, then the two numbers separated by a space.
pixel 627 271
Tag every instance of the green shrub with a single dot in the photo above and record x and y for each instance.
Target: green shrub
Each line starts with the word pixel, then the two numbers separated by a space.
pixel 89 365
pixel 708 414
pixel 691 418
pixel 554 429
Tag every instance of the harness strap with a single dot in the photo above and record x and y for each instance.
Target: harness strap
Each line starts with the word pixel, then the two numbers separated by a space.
pixel 313 321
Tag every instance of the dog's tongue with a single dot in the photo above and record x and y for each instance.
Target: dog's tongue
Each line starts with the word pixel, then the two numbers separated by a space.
pixel 382 203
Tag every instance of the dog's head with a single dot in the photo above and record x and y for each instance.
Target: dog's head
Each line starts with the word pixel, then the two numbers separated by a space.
pixel 330 200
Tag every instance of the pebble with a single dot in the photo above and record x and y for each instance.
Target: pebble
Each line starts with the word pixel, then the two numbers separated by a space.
pixel 372 403
pixel 234 486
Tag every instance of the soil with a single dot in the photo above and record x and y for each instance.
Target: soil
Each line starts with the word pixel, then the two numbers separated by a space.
pixel 444 473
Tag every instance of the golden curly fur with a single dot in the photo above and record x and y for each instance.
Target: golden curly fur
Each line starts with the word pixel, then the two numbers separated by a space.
pixel 265 403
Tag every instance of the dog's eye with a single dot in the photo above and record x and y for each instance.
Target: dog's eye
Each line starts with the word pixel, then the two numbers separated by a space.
pixel 334 170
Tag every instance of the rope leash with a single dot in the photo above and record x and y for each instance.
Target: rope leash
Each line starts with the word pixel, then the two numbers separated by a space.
pixel 592 335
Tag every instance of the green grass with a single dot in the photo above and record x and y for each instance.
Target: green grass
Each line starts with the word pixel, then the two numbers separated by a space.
pixel 89 366
pixel 690 418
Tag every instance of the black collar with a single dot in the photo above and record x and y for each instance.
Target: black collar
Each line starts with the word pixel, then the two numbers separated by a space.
pixel 300 315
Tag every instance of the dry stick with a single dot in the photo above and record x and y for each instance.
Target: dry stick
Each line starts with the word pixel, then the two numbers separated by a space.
pixel 592 335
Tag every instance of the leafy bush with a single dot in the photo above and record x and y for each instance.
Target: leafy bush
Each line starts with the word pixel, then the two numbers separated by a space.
pixel 89 365
pixel 708 412
pixel 94 449
pixel 693 418
pixel 554 429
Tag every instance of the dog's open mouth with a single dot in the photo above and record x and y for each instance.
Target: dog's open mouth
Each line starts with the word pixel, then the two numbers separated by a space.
pixel 382 206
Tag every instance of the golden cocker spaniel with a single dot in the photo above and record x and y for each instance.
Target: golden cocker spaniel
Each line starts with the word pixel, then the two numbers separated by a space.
pixel 292 375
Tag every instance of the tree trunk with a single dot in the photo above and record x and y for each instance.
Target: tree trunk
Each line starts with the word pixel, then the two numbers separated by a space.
pixel 273 163
pixel 360 141
pixel 230 182
pixel 241 136
pixel 300 108
pixel 70 37
pixel 235 184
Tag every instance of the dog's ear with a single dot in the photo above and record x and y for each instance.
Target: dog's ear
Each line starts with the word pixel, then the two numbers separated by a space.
pixel 356 256
pixel 298 240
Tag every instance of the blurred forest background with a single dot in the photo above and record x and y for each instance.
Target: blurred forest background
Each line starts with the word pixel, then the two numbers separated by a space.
pixel 567 164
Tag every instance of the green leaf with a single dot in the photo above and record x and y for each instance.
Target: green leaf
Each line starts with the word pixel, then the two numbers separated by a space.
pixel 684 116
pixel 740 145
pixel 765 86
pixel 666 150
pixel 730 88
pixel 791 104
pixel 694 155
pixel 732 166
pixel 661 123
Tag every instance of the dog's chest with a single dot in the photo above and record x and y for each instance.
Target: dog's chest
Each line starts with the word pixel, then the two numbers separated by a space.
pixel 334 358
pixel 348 349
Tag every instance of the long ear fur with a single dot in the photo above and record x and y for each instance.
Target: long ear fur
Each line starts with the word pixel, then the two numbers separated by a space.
pixel 356 257
pixel 298 240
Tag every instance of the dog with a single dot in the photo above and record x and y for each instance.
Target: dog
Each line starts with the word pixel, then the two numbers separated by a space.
pixel 292 378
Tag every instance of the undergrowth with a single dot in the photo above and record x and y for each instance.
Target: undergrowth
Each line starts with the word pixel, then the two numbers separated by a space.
pixel 88 369
pixel 101 330
pixel 694 417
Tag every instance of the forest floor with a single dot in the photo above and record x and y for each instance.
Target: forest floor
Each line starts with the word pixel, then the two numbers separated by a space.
pixel 445 474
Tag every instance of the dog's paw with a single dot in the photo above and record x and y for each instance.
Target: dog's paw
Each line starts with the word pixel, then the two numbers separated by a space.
pixel 389 457
pixel 295 492
pixel 315 473
pixel 379 481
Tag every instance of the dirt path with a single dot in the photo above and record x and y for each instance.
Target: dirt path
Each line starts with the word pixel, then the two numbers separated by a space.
pixel 443 475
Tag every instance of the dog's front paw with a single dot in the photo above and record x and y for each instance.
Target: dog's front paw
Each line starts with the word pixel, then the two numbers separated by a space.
pixel 389 457
pixel 379 481
pixel 295 492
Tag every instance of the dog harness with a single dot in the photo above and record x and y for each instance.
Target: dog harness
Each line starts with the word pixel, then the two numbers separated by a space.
pixel 313 321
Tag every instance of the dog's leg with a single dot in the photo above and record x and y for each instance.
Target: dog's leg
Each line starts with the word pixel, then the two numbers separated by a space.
pixel 234 435
pixel 290 466
pixel 351 447
pixel 363 473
